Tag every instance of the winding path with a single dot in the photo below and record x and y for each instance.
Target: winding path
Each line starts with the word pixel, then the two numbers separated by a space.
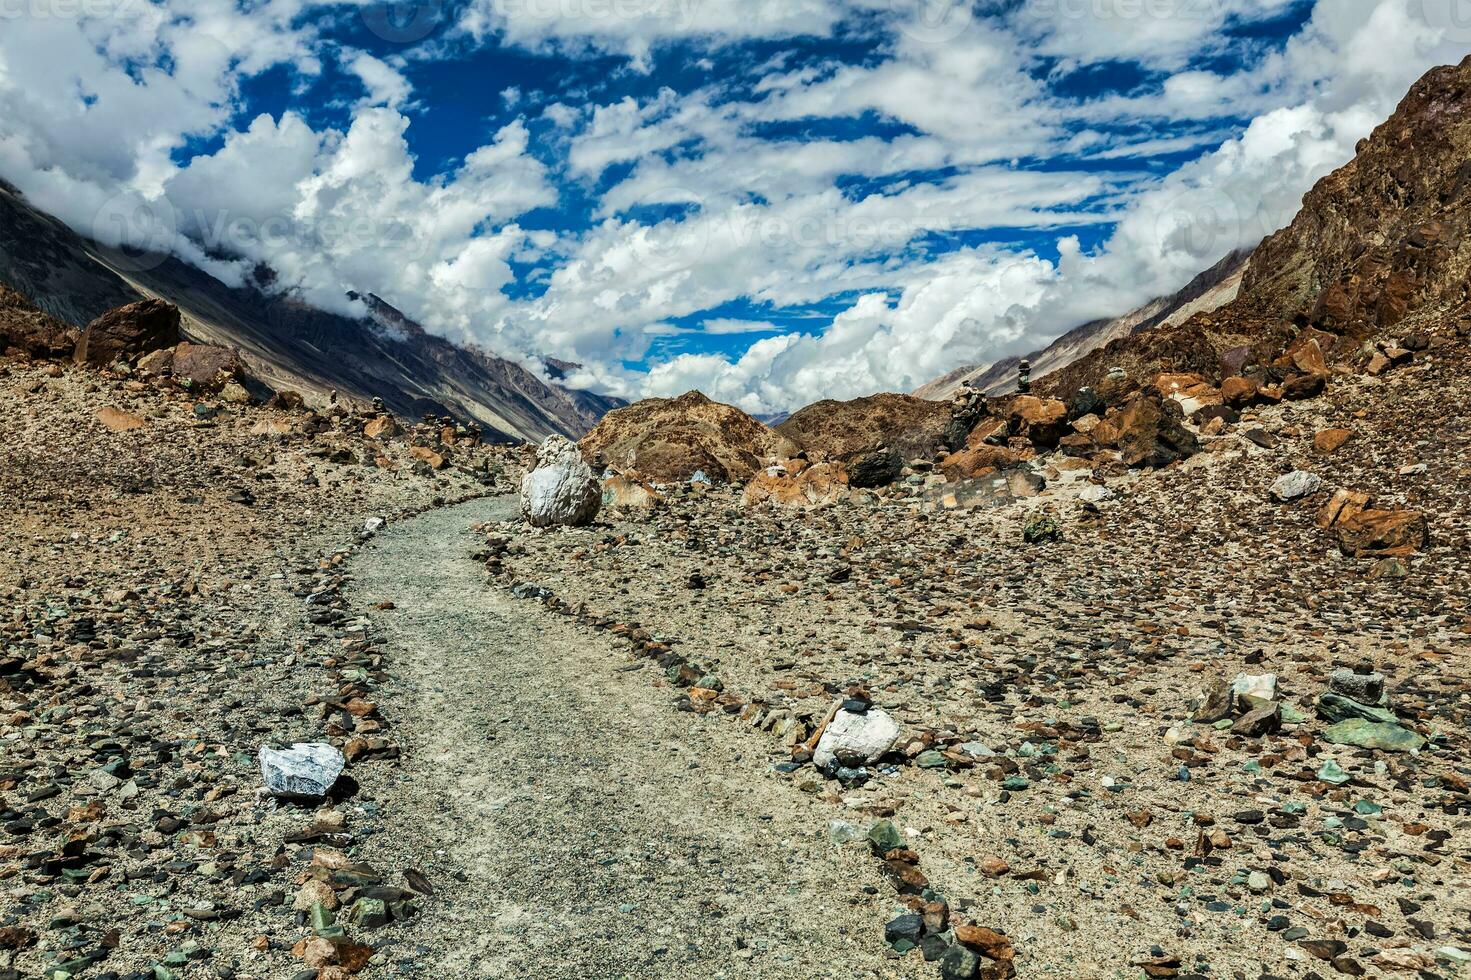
pixel 576 825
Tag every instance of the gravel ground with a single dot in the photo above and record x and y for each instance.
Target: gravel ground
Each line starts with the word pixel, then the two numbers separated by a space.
pixel 573 824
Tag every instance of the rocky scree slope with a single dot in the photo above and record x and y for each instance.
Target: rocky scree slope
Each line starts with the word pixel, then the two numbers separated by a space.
pixel 1381 244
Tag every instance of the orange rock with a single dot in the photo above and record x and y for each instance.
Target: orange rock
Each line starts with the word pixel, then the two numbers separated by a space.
pixel 429 457
pixel 816 486
pixel 985 429
pixel 988 942
pixel 1238 392
pixel 972 464
pixel 1331 440
pixel 117 420
pixel 1382 533
pixel 1344 504
pixel 1308 358
pixel 382 427
pixel 1042 420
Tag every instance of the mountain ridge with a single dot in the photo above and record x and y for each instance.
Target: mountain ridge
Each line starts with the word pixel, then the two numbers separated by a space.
pixel 289 344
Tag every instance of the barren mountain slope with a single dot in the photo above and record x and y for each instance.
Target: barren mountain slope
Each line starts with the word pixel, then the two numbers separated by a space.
pixel 288 344
pixel 1380 244
pixel 1208 291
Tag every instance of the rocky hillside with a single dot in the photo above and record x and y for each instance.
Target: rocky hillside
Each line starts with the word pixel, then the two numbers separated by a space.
pixel 1208 291
pixel 1379 245
pixel 670 439
pixel 287 344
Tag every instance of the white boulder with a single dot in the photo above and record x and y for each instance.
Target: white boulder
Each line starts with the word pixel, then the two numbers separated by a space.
pixel 306 769
pixel 1250 690
pixel 1296 485
pixel 862 739
pixel 562 490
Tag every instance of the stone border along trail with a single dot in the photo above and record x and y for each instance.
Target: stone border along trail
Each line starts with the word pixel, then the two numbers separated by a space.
pixel 572 823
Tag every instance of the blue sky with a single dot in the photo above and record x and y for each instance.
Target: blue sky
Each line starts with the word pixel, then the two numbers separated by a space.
pixel 771 200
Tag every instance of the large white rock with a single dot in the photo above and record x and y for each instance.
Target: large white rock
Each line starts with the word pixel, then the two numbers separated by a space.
pixel 866 736
pixel 306 769
pixel 1259 687
pixel 1296 485
pixel 562 490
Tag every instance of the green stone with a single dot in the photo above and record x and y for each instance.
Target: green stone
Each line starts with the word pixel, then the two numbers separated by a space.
pixel 960 963
pixel 1336 707
pixel 369 913
pixel 931 760
pixel 1332 773
pixel 1366 809
pixel 1373 735
pixel 321 917
pixel 1015 783
pixel 1041 530
pixel 884 837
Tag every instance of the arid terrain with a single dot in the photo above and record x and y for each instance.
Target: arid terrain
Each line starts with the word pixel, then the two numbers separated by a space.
pixel 1156 669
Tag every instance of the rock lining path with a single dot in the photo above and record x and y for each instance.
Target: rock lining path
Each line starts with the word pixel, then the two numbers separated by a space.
pixel 596 832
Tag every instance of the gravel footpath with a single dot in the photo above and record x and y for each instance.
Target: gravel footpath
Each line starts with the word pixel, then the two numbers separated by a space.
pixel 572 823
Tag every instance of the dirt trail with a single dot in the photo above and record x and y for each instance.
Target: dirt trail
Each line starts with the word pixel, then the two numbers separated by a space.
pixel 575 823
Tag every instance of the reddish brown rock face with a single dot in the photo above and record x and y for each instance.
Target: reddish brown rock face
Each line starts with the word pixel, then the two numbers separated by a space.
pixel 1239 392
pixel 128 332
pixel 971 464
pixel 1041 420
pixel 1382 242
pixel 204 366
pixel 26 328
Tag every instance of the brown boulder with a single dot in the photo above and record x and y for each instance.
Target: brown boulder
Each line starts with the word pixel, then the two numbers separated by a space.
pixel 668 440
pixel 1238 392
pixel 971 464
pixel 1304 386
pixel 815 486
pixel 1382 533
pixel 1042 420
pixel 382 427
pixel 157 364
pixel 1365 532
pixel 286 401
pixel 128 332
pixel 1153 434
pixel 626 493
pixel 429 457
pixel 847 431
pixel 986 428
pixel 1329 441
pixel 26 328
pixel 205 366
